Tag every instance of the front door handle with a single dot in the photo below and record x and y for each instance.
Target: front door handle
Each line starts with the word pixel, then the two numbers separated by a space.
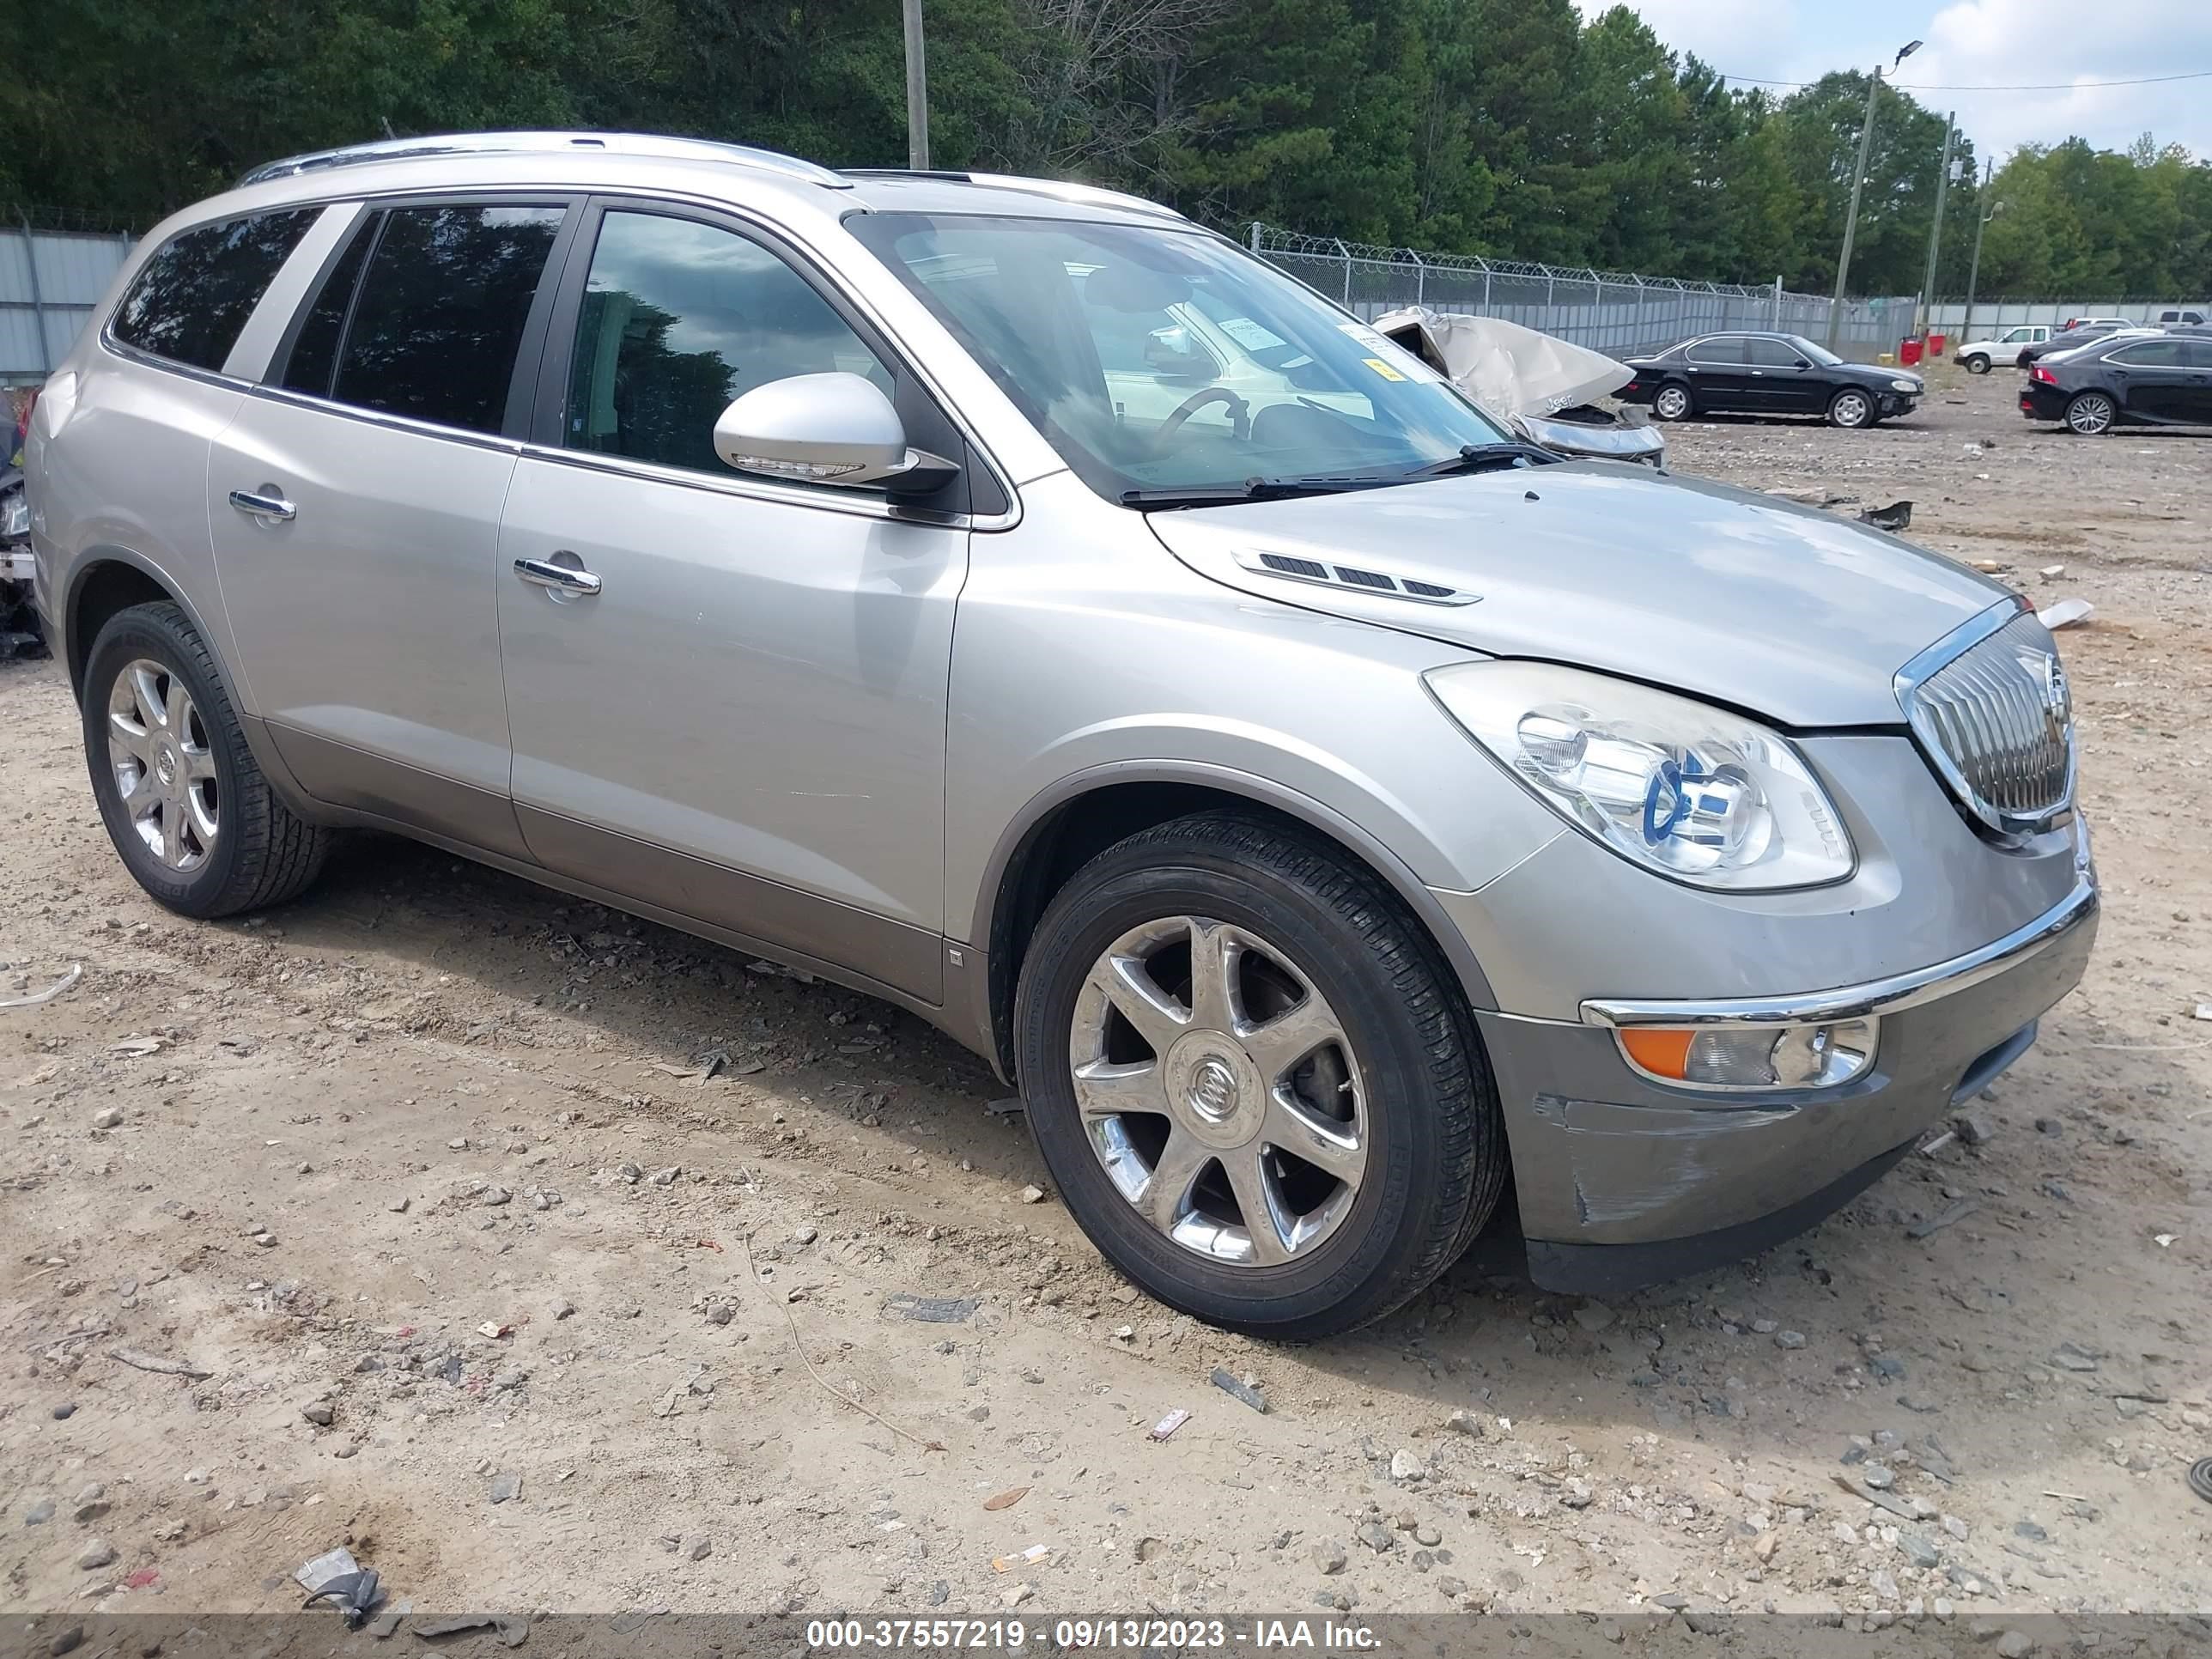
pixel 262 504
pixel 576 584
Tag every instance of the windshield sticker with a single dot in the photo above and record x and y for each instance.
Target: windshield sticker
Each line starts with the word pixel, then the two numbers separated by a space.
pixel 1382 369
pixel 1249 334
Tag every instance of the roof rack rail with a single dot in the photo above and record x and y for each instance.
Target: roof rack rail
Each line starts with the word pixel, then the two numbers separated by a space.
pixel 1061 190
pixel 483 144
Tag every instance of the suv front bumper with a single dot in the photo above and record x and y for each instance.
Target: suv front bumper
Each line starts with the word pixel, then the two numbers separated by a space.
pixel 1623 1182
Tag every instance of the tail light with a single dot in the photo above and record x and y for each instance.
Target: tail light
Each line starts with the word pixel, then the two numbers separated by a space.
pixel 2039 372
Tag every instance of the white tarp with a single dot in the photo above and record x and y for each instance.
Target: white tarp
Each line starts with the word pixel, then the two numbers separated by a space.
pixel 1507 368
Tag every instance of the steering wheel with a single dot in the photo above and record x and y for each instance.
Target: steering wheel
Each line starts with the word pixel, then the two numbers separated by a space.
pixel 1240 415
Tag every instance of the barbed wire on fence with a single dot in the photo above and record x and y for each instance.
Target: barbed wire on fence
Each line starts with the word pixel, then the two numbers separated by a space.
pixel 1611 310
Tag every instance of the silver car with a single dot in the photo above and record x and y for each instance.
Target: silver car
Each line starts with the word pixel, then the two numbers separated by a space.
pixel 1015 602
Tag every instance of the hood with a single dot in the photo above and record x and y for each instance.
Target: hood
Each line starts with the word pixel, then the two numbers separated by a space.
pixel 1782 610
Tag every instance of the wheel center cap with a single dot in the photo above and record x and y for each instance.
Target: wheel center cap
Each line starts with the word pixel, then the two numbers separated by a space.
pixel 165 766
pixel 1214 1090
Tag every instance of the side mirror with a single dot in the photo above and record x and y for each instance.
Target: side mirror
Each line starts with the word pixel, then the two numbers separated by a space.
pixel 835 428
pixel 1800 362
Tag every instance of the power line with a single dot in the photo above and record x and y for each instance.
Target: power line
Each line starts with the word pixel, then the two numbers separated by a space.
pixel 2041 86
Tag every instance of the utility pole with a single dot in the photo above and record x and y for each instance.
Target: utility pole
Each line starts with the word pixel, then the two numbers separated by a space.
pixel 1974 269
pixel 1858 184
pixel 1935 229
pixel 917 92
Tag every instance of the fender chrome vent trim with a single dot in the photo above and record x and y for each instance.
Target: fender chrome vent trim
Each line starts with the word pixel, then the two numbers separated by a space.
pixel 1351 578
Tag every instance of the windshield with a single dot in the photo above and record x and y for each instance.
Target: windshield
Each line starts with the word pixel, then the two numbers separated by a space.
pixel 1817 353
pixel 1159 360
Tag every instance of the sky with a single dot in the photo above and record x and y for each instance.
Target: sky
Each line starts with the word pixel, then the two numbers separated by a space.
pixel 1976 43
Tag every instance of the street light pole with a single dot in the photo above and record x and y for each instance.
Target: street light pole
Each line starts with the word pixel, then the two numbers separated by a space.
pixel 917 92
pixel 1858 184
pixel 1935 229
pixel 1974 269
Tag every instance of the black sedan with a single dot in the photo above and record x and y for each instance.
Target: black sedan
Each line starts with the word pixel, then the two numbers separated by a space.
pixel 1754 374
pixel 2068 339
pixel 2155 379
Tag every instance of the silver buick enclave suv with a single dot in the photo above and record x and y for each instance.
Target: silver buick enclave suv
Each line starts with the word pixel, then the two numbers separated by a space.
pixel 1013 601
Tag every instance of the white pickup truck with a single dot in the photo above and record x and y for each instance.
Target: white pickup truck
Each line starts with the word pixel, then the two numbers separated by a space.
pixel 1979 355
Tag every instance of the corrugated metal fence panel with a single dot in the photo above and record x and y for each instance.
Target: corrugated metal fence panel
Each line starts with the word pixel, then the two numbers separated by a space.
pixel 1995 316
pixel 72 271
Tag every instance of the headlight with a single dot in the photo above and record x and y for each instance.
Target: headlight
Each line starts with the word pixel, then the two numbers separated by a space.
pixel 1750 1056
pixel 1677 786
pixel 16 517
pixel 1904 385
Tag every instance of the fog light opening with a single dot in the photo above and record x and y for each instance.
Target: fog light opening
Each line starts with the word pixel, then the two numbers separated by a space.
pixel 1809 1056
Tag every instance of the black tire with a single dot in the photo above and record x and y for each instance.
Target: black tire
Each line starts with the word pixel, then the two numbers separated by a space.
pixel 262 852
pixel 1851 409
pixel 1681 408
pixel 1437 1154
pixel 1976 364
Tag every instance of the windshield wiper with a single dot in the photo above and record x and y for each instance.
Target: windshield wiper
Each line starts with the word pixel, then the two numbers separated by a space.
pixel 1252 490
pixel 1478 458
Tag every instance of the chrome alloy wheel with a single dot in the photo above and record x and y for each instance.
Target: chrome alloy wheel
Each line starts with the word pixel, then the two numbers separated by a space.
pixel 164 769
pixel 1219 1090
pixel 1852 409
pixel 2090 414
pixel 1672 403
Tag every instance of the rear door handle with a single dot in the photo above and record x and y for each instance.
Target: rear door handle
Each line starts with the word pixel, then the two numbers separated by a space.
pixel 262 505
pixel 578 583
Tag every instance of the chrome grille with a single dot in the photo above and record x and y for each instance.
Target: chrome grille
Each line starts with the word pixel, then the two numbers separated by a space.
pixel 1998 721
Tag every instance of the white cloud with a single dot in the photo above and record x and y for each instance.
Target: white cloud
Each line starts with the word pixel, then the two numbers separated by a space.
pixel 2011 42
pixel 1977 43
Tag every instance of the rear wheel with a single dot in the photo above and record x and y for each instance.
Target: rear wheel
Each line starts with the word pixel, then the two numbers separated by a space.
pixel 1254 1079
pixel 1977 364
pixel 1671 402
pixel 2090 413
pixel 184 801
pixel 1851 408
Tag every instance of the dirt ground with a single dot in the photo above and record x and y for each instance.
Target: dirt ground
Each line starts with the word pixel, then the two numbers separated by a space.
pixel 486 1283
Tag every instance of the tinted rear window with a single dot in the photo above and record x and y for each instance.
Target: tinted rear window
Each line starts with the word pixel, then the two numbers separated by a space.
pixel 191 300
pixel 441 310
pixel 315 350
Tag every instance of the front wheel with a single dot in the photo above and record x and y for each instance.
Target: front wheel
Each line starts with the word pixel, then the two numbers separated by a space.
pixel 2090 413
pixel 1255 1081
pixel 1850 409
pixel 185 802
pixel 1672 402
pixel 1977 365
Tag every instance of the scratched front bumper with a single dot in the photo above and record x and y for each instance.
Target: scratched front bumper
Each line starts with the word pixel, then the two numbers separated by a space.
pixel 1623 1182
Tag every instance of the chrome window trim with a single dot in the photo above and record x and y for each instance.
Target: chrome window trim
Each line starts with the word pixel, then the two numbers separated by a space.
pixel 384 418
pixel 1931 662
pixel 1876 997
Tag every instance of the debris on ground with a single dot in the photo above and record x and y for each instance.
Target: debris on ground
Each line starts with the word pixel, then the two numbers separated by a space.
pixel 1168 1425
pixel 932 1310
pixel 35 997
pixel 159 1365
pixel 2066 613
pixel 1897 516
pixel 1006 1500
pixel 1237 1390
pixel 513 1631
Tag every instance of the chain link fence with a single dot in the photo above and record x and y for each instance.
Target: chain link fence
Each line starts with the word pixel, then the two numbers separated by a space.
pixel 1610 311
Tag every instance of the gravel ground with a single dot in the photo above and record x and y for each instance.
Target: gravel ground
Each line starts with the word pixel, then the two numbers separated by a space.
pixel 464 1264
